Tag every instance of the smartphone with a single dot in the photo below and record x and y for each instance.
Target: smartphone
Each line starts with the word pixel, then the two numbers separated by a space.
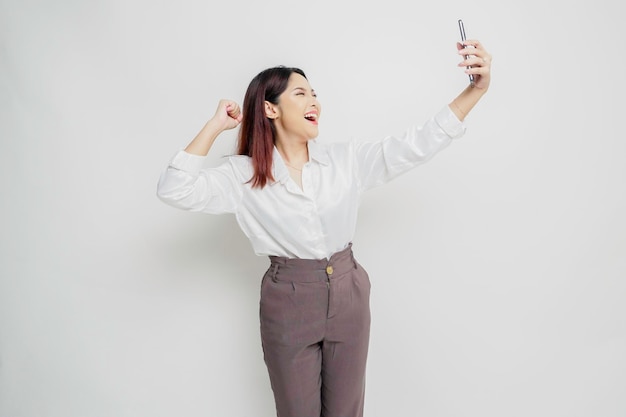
pixel 463 39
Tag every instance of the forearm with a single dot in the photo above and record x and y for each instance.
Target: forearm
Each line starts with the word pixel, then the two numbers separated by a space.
pixel 203 141
pixel 465 102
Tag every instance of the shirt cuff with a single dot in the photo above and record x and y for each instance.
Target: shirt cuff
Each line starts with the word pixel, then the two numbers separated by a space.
pixel 449 123
pixel 185 161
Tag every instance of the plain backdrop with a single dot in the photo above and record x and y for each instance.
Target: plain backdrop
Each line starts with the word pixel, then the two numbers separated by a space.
pixel 498 268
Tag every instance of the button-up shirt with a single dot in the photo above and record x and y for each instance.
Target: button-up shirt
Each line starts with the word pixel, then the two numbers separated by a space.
pixel 314 221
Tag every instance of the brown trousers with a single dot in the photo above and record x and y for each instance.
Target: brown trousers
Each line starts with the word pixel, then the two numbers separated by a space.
pixel 315 323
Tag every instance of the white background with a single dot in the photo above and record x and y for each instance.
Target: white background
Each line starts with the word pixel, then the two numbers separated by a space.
pixel 498 268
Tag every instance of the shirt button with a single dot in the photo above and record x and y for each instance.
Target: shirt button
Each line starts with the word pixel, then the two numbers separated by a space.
pixel 329 270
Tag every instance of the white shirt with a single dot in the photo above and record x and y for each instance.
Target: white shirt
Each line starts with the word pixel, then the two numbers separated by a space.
pixel 314 221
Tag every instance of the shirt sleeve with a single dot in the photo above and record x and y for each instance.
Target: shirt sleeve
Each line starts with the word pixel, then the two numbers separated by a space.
pixel 186 185
pixel 381 161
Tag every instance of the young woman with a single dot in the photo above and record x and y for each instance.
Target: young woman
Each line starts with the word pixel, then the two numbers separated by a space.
pixel 296 200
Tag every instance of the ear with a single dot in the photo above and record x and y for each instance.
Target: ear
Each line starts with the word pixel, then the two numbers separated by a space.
pixel 271 111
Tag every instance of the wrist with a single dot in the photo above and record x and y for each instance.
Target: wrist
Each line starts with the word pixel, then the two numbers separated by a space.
pixel 213 127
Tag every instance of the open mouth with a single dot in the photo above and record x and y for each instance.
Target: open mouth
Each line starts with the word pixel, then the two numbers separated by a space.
pixel 311 117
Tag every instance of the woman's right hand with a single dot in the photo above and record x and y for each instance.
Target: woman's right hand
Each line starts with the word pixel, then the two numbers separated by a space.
pixel 227 116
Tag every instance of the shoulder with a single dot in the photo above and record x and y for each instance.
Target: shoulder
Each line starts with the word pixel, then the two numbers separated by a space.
pixel 325 152
pixel 239 160
pixel 239 165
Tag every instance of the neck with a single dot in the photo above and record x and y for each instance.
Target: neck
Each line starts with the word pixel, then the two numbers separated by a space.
pixel 294 154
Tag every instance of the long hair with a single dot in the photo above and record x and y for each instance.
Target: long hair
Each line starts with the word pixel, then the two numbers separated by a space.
pixel 257 133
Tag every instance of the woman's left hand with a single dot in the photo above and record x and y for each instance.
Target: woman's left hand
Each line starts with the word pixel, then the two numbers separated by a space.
pixel 479 61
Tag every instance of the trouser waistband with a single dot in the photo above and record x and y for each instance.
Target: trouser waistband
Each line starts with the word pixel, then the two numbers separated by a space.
pixel 312 270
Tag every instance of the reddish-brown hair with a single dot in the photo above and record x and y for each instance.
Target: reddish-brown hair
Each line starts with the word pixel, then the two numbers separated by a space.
pixel 257 133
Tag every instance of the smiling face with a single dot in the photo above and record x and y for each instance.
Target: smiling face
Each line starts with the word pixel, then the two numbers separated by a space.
pixel 297 113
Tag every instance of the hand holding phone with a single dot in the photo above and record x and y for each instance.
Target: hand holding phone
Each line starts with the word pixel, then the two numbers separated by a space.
pixel 463 39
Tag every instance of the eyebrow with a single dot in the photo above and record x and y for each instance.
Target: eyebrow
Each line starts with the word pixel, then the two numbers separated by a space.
pixel 303 89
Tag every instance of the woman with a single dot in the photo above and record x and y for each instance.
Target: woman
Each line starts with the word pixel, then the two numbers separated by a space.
pixel 296 200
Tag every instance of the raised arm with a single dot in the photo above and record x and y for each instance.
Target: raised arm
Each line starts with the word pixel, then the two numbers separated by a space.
pixel 185 185
pixel 227 116
pixel 479 62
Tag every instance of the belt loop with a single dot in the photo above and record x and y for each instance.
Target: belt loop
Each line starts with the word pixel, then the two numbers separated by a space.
pixel 274 271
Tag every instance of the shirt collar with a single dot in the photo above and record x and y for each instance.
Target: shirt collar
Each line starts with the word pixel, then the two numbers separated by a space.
pixel 317 153
pixel 279 169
